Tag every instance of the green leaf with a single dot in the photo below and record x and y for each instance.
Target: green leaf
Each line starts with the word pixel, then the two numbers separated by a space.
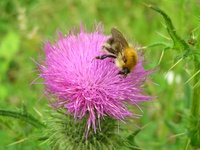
pixel 131 140
pixel 179 43
pixel 23 116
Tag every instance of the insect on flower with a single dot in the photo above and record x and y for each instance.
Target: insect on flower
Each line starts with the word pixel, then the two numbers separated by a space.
pixel 92 91
pixel 118 48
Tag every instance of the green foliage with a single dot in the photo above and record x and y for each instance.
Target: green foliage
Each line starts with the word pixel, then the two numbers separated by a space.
pixel 65 134
pixel 24 115
pixel 26 130
pixel 181 45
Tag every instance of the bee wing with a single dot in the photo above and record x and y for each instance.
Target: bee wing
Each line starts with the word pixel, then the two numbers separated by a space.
pixel 117 35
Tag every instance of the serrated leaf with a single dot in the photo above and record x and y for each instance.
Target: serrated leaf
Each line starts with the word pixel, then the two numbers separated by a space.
pixel 179 43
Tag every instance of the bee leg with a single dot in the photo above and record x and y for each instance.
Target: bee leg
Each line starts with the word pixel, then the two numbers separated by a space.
pixel 122 73
pixel 104 56
pixel 125 71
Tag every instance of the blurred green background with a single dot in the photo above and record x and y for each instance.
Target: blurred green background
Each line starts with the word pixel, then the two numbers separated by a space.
pixel 25 23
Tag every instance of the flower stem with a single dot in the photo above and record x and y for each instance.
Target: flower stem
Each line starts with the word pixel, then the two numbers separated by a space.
pixel 23 116
pixel 195 108
pixel 194 126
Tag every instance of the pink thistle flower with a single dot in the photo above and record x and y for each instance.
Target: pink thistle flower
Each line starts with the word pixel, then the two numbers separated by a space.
pixel 89 88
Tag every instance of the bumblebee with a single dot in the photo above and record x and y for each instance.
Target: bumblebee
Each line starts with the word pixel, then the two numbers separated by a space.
pixel 117 48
